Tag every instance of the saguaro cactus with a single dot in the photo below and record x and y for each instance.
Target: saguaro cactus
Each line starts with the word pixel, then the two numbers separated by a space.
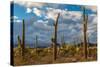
pixel 55 38
pixel 85 20
pixel 23 37
pixel 19 42
pixel 19 45
pixel 62 41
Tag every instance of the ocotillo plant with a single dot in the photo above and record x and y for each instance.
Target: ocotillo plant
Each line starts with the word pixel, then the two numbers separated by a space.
pixel 85 19
pixel 23 37
pixel 55 38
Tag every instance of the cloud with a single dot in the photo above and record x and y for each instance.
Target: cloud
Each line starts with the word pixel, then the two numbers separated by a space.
pixel 93 8
pixel 45 31
pixel 28 3
pixel 92 25
pixel 52 13
pixel 70 23
pixel 37 11
pixel 16 19
pixel 41 21
pixel 62 26
pixel 74 15
pixel 42 25
pixel 28 10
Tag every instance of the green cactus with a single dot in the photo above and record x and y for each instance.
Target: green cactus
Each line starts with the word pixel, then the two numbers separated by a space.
pixel 19 45
pixel 23 37
pixel 55 38
pixel 85 20
pixel 19 41
pixel 62 41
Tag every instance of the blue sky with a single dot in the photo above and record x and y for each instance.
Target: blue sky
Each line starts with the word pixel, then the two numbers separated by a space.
pixel 39 19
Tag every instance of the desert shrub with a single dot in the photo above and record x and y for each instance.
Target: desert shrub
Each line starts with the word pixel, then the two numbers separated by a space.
pixel 72 50
pixel 42 52
pixel 92 52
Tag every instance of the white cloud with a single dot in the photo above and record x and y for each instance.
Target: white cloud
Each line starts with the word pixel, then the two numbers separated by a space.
pixel 16 19
pixel 92 25
pixel 62 26
pixel 28 3
pixel 28 10
pixel 41 21
pixel 52 13
pixel 93 8
pixel 74 15
pixel 37 11
pixel 42 25
pixel 94 20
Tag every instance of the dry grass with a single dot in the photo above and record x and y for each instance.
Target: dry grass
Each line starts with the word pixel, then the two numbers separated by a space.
pixel 45 55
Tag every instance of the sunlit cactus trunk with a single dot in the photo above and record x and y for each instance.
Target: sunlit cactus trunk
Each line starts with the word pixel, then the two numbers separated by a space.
pixel 19 41
pixel 19 45
pixel 55 38
pixel 85 20
pixel 23 37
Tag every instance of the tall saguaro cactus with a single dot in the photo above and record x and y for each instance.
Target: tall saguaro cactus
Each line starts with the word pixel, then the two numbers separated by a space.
pixel 85 20
pixel 23 37
pixel 55 38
